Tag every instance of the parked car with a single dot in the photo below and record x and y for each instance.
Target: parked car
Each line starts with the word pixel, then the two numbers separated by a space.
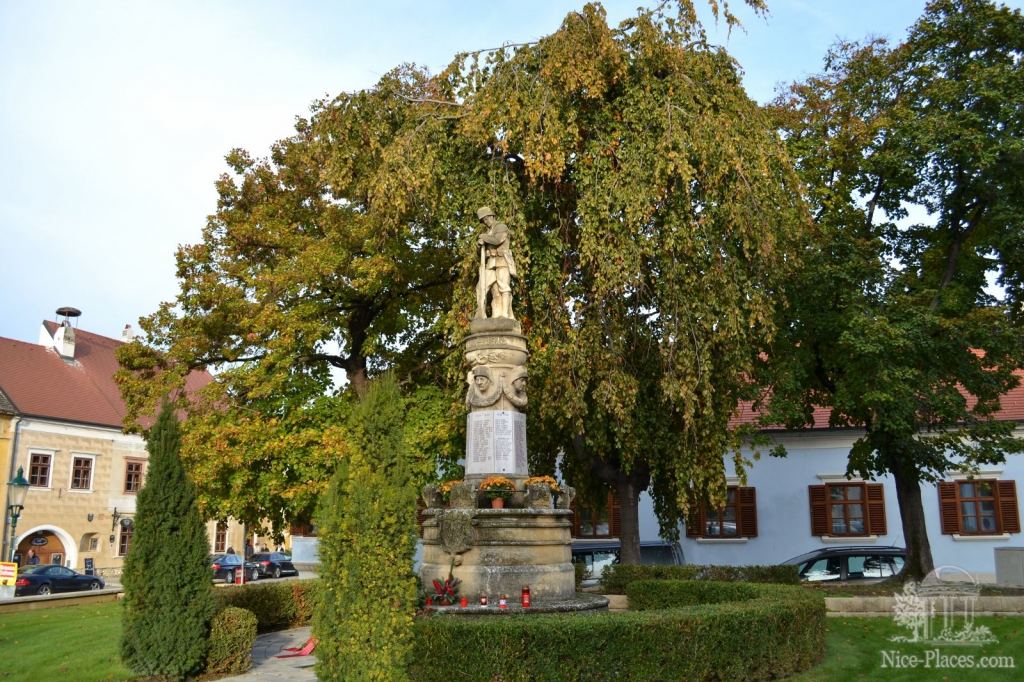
pixel 858 563
pixel 51 579
pixel 227 566
pixel 273 564
pixel 598 554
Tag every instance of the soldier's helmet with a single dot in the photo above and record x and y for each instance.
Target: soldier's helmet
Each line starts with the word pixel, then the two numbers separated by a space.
pixel 483 212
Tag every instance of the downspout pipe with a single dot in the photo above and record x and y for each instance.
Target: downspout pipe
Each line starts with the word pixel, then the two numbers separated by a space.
pixel 10 476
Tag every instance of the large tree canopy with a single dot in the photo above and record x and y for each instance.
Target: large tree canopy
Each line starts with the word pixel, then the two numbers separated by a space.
pixel 912 158
pixel 655 213
pixel 654 216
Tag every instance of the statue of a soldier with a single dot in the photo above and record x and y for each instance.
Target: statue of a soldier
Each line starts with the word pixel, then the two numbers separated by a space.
pixel 496 267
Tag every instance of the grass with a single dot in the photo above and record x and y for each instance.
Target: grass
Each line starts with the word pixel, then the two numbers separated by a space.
pixel 80 643
pixel 855 646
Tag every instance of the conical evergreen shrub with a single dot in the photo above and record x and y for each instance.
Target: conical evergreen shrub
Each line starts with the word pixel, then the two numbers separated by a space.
pixel 168 599
pixel 367 538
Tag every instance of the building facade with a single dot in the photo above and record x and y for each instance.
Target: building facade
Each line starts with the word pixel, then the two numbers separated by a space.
pixel 64 429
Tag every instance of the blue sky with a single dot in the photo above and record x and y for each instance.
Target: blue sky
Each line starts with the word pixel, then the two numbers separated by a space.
pixel 115 116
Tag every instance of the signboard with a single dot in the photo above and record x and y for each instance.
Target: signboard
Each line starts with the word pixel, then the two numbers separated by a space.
pixel 90 566
pixel 8 576
pixel 496 443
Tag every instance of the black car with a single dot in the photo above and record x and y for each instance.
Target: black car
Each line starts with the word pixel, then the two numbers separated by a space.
pixel 273 564
pixel 850 563
pixel 595 555
pixel 227 566
pixel 51 579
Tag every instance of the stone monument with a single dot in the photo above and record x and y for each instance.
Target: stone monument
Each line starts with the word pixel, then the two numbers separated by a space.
pixel 528 542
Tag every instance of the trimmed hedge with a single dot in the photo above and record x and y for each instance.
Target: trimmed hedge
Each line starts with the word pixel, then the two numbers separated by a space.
pixel 276 605
pixel 617 576
pixel 774 631
pixel 648 595
pixel 232 635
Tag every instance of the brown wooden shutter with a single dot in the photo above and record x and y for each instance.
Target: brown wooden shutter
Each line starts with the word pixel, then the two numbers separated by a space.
pixel 746 509
pixel 614 515
pixel 875 494
pixel 819 509
pixel 695 522
pixel 1006 504
pixel 948 512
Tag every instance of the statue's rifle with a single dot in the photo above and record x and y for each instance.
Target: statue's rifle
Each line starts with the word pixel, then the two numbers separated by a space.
pixel 481 294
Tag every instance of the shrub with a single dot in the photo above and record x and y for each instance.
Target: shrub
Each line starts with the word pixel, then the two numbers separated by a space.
pixel 367 526
pixel 168 599
pixel 617 576
pixel 647 595
pixel 232 634
pixel 276 605
pixel 580 569
pixel 774 631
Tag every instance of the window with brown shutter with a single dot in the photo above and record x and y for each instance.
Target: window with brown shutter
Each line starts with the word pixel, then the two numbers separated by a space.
pixel 591 521
pixel 978 507
pixel 737 518
pixel 847 509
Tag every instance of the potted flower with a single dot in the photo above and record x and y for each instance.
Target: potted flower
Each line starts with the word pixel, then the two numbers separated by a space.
pixel 498 489
pixel 446 592
pixel 445 489
pixel 547 483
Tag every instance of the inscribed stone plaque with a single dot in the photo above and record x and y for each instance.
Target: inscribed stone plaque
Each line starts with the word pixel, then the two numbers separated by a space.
pixel 496 443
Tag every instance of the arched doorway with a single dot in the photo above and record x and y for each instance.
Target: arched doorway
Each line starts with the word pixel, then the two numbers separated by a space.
pixel 51 545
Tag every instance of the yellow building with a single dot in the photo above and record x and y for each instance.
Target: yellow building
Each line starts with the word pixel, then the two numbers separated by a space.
pixel 62 424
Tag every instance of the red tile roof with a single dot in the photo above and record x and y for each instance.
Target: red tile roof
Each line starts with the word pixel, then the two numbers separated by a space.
pixel 42 384
pixel 1011 408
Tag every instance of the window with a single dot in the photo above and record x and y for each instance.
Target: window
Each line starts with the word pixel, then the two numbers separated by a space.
pixel 94 544
pixel 875 566
pixel 132 476
pixel 595 522
pixel 737 518
pixel 81 472
pixel 220 538
pixel 125 541
pixel 39 470
pixel 979 507
pixel 847 509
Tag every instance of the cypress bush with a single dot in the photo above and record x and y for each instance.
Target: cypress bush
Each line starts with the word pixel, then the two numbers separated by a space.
pixel 167 588
pixel 367 537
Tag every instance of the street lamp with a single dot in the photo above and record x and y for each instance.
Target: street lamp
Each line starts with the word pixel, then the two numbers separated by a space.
pixel 17 489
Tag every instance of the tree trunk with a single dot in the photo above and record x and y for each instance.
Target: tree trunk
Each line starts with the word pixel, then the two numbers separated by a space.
pixel 915 532
pixel 627 489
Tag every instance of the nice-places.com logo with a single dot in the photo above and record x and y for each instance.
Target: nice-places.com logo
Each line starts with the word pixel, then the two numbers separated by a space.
pixel 939 611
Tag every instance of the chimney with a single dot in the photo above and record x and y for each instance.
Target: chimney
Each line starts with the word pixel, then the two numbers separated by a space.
pixel 64 337
pixel 127 334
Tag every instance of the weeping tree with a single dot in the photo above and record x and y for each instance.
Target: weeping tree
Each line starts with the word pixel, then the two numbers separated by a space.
pixel 168 598
pixel 654 215
pixel 912 157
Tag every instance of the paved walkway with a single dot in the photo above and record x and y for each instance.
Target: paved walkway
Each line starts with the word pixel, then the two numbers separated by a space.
pixel 266 667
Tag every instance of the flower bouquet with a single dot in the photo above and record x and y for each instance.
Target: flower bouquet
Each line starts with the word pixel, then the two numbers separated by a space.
pixel 497 489
pixel 445 489
pixel 550 482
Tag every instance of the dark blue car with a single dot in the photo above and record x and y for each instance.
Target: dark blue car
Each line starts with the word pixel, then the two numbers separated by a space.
pixel 53 579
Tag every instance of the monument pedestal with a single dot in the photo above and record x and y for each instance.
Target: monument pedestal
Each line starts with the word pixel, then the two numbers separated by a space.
pixel 507 549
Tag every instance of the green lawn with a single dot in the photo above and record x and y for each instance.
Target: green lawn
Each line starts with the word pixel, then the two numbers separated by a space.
pixel 855 646
pixel 80 643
